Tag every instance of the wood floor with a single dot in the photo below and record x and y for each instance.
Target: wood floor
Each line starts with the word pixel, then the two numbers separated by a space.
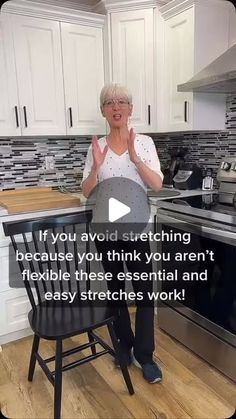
pixel 190 387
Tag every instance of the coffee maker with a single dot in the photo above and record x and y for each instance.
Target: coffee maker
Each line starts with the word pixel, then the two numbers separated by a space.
pixel 177 155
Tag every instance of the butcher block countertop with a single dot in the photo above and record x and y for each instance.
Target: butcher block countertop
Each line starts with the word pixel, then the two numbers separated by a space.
pixel 36 199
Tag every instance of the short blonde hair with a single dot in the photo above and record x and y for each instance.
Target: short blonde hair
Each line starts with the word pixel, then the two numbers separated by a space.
pixel 114 89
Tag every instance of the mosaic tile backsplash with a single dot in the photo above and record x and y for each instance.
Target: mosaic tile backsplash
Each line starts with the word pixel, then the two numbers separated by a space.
pixel 22 160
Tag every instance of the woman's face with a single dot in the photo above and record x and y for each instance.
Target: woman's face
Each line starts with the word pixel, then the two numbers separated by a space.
pixel 117 110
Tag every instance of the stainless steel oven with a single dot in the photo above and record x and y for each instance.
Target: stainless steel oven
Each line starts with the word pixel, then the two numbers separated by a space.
pixel 205 321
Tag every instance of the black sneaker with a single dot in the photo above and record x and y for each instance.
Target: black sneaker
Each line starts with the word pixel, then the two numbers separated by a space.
pixel 127 357
pixel 151 371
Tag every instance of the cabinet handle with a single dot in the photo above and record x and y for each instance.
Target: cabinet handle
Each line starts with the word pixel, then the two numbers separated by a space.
pixel 25 116
pixel 71 120
pixel 17 118
pixel 149 114
pixel 185 111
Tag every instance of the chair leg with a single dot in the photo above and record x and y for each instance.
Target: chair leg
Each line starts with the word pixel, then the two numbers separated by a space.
pixel 118 352
pixel 34 350
pixel 58 380
pixel 91 339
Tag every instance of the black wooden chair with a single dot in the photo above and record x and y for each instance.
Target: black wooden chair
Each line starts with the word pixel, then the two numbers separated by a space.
pixel 58 320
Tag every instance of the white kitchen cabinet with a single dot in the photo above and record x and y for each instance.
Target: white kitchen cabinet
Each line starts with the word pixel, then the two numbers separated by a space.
pixel 82 50
pixel 14 302
pixel 14 308
pixel 132 57
pixel 9 116
pixel 179 65
pixel 195 33
pixel 39 75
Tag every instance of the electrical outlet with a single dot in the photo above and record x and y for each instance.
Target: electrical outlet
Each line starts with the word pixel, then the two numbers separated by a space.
pixel 49 163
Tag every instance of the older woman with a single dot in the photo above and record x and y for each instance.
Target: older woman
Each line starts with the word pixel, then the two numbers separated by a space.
pixel 133 156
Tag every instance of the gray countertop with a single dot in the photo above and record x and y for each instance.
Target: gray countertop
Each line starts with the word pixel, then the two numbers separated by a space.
pixel 182 194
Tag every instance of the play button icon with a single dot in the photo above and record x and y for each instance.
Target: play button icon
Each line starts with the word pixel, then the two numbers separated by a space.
pixel 117 210
pixel 119 205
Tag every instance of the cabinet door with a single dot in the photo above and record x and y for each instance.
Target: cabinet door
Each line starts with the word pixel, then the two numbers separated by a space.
pixel 82 49
pixel 14 303
pixel 9 117
pixel 132 62
pixel 39 75
pixel 14 308
pixel 179 67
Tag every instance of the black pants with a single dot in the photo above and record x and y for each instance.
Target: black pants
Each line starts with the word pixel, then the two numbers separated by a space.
pixel 143 341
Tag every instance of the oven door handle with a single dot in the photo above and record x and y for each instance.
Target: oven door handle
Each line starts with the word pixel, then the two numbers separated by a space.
pixel 197 227
pixel 218 233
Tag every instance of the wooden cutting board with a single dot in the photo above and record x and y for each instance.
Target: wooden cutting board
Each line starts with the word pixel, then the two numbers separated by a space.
pixel 35 199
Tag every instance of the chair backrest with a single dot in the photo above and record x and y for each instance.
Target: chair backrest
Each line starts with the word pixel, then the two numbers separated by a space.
pixel 48 240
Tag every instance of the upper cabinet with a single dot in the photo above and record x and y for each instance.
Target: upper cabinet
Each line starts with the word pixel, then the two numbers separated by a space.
pixel 178 65
pixel 82 50
pixel 39 75
pixel 54 61
pixel 194 34
pixel 9 118
pixel 132 55
pixel 51 71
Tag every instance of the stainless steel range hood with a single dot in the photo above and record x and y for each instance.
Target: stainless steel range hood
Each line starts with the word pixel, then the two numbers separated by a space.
pixel 217 77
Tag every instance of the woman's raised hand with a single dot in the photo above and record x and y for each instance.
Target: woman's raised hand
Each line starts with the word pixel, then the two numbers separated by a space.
pixel 98 154
pixel 132 153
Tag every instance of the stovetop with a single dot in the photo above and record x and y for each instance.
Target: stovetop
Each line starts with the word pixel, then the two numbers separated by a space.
pixel 207 206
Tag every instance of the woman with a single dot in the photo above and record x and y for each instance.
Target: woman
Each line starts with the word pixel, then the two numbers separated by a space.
pixel 133 156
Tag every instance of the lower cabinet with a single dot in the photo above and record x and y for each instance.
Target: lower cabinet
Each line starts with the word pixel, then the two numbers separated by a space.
pixel 14 302
pixel 14 308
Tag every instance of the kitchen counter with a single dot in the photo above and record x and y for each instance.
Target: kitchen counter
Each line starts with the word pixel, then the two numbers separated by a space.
pixel 183 194
pixel 4 216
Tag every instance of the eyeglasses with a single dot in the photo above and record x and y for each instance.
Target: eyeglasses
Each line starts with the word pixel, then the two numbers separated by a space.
pixel 120 102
